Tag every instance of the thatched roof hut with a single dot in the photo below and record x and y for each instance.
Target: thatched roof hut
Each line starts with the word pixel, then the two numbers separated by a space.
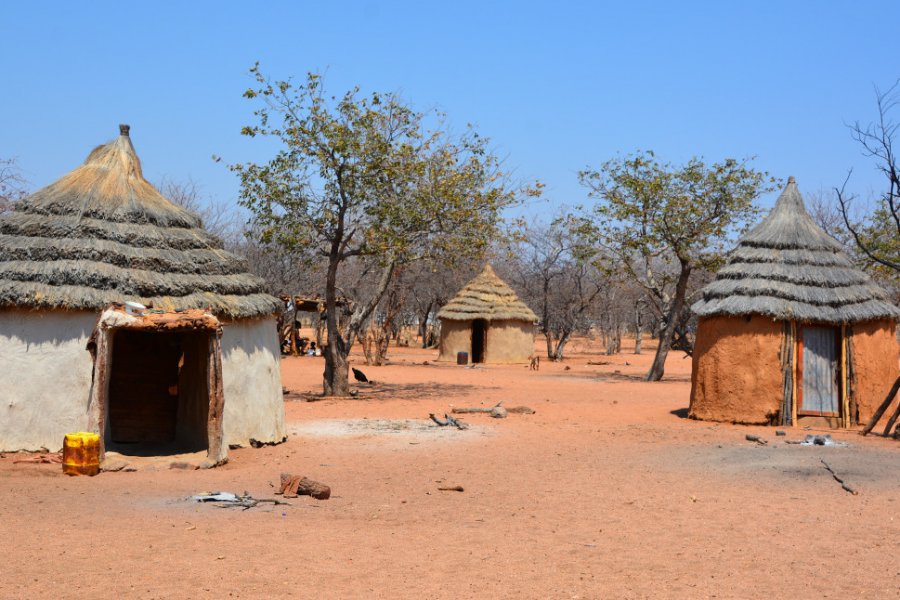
pixel 789 307
pixel 103 234
pixel 487 321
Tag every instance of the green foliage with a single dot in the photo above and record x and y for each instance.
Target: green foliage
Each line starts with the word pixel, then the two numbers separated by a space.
pixel 660 211
pixel 879 235
pixel 662 223
pixel 364 177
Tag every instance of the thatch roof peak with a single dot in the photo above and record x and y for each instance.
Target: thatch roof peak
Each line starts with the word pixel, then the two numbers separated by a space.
pixel 787 267
pixel 103 234
pixel 789 226
pixel 487 297
pixel 110 185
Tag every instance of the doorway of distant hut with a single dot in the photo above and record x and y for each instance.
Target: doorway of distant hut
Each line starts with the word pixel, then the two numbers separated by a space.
pixel 819 373
pixel 479 339
pixel 158 399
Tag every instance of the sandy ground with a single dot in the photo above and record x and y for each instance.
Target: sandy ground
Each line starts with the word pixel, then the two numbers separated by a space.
pixel 607 491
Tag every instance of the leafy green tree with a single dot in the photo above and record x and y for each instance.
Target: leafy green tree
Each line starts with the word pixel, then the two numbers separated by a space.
pixel 662 222
pixel 365 180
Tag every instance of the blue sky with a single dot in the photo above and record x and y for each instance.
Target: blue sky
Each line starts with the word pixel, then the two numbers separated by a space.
pixel 556 86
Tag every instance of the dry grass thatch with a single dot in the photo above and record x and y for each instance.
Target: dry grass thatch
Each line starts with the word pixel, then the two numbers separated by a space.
pixel 486 297
pixel 103 233
pixel 788 268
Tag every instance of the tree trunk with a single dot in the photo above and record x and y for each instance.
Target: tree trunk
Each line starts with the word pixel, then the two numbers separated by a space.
pixel 665 339
pixel 549 338
pixel 561 346
pixel 638 332
pixel 335 380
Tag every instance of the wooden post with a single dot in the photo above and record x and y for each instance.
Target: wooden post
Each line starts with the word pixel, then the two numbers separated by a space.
pixel 845 399
pixel 99 394
pixel 787 350
pixel 217 451
pixel 794 353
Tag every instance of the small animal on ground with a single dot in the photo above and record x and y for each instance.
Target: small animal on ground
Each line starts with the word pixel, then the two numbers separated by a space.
pixel 535 363
pixel 360 376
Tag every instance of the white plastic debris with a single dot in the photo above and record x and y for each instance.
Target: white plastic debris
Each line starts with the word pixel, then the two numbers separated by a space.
pixel 215 497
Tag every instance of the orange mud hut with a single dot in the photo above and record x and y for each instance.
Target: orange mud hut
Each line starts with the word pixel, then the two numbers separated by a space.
pixel 791 332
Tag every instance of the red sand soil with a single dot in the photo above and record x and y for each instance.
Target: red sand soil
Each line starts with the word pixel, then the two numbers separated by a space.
pixel 606 492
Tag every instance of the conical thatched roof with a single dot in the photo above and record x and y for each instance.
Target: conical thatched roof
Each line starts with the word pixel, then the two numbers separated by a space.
pixel 486 297
pixel 787 267
pixel 104 234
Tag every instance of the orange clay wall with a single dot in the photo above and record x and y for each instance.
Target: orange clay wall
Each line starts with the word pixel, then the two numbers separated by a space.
pixel 875 352
pixel 736 374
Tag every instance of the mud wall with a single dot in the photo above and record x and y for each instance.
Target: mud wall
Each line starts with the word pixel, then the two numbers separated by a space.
pixel 46 370
pixel 736 375
pixel 45 377
pixel 456 336
pixel 875 351
pixel 251 376
pixel 509 342
pixel 505 341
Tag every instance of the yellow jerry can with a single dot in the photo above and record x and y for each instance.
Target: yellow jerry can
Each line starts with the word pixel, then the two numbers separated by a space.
pixel 81 454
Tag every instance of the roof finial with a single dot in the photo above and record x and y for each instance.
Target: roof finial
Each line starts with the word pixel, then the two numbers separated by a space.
pixel 791 180
pixel 123 129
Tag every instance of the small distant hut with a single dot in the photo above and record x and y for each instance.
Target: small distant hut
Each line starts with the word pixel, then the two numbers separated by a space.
pixel 200 371
pixel 488 321
pixel 790 331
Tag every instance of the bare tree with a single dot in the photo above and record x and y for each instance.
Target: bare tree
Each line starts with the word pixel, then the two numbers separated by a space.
pixel 12 183
pixel 878 234
pixel 557 277
pixel 221 218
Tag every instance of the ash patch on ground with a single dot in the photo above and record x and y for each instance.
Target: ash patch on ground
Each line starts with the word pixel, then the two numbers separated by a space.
pixel 412 428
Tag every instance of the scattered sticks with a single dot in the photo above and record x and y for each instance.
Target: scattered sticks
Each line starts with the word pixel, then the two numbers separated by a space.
pixel 454 488
pixel 497 411
pixel 41 459
pixel 229 500
pixel 448 420
pixel 838 479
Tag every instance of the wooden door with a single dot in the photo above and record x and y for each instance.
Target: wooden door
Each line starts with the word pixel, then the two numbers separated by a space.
pixel 819 372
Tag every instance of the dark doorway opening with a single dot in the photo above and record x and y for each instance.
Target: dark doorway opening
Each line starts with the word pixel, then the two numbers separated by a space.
pixel 158 393
pixel 479 335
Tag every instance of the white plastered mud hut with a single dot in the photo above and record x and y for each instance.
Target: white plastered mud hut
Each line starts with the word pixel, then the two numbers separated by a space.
pixel 487 321
pixel 101 235
pixel 790 331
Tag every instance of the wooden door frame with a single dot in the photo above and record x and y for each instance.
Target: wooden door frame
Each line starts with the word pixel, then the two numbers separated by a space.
pixel 100 345
pixel 839 340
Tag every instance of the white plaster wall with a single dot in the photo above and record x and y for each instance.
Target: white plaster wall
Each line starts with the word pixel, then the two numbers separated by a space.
pixel 251 374
pixel 45 377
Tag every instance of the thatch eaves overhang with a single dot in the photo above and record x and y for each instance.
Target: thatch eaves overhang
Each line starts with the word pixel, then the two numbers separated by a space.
pixel 788 268
pixel 487 297
pixel 103 234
